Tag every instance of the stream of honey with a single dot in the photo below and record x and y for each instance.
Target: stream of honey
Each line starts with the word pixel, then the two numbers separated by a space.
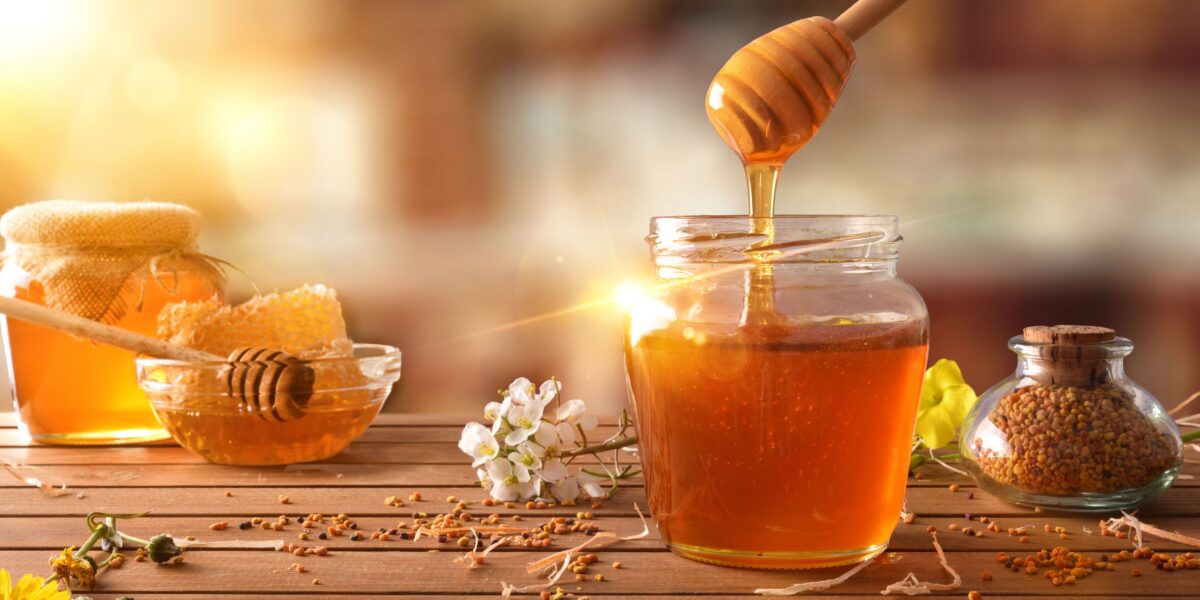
pixel 761 181
pixel 777 447
pixel 74 391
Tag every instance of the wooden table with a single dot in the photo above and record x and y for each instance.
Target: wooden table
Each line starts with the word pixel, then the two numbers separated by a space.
pixel 403 453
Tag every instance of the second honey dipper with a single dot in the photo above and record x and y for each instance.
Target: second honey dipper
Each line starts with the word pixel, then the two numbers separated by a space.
pixel 272 384
pixel 773 94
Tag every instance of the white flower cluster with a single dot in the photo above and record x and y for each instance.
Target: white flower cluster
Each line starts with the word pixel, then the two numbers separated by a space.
pixel 519 456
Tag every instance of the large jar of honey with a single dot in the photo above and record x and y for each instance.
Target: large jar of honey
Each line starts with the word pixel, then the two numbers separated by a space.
pixel 775 367
pixel 118 263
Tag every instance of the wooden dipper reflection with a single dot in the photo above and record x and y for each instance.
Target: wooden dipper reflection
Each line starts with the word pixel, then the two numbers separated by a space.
pixel 772 95
pixel 269 383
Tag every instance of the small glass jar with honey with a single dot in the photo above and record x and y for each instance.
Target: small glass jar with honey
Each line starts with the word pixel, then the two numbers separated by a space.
pixel 775 366
pixel 118 263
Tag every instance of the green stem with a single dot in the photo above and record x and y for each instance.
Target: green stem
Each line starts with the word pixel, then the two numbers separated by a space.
pixel 97 533
pixel 133 539
pixel 1191 437
pixel 606 446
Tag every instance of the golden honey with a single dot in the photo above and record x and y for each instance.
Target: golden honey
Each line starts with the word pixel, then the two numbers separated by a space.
pixel 74 391
pixel 240 439
pixel 193 401
pixel 778 447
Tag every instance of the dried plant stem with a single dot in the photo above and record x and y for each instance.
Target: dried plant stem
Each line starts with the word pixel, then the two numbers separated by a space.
pixel 1179 407
pixel 605 447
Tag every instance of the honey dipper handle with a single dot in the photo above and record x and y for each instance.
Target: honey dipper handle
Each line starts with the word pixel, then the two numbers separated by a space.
pixel 865 14
pixel 107 334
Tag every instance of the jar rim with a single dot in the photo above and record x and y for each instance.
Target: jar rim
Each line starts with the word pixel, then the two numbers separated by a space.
pixel 1118 347
pixel 890 218
pixel 782 239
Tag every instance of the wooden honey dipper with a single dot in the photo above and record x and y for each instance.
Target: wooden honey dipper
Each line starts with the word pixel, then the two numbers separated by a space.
pixel 772 96
pixel 270 383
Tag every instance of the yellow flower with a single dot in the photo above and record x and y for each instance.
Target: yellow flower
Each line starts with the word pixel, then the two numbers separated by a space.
pixel 945 401
pixel 67 567
pixel 29 588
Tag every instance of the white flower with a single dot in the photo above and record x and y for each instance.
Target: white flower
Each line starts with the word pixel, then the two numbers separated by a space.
pixel 554 439
pixel 549 391
pixel 554 471
pixel 575 413
pixel 526 457
pixel 494 411
pixel 567 489
pixel 525 420
pixel 478 442
pixel 521 391
pixel 590 484
pixel 510 484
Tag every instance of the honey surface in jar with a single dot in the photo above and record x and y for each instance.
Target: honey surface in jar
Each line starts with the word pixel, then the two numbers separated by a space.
pixel 74 391
pixel 777 443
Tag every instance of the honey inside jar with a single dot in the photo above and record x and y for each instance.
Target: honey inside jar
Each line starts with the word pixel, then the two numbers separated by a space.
pixel 772 447
pixel 119 263
pixel 74 391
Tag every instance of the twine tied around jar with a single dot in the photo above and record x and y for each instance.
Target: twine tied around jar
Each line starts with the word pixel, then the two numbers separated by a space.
pixel 87 255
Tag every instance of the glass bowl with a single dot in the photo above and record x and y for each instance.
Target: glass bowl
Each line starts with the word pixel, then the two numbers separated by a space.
pixel 192 400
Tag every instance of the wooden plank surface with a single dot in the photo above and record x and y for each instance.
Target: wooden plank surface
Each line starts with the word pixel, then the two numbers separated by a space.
pixel 406 453
pixel 23 533
pixel 657 573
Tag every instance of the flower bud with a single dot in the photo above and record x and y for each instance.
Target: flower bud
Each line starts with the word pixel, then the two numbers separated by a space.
pixel 162 548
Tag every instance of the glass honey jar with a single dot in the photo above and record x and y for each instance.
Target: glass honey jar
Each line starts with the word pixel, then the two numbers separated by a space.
pixel 1069 429
pixel 775 367
pixel 119 263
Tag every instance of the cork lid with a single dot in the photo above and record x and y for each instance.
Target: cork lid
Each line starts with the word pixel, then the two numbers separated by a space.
pixel 1070 354
pixel 1069 335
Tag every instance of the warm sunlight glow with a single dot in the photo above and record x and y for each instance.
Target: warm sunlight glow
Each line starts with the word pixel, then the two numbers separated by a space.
pixel 646 313
pixel 28 28
pixel 628 295
pixel 151 84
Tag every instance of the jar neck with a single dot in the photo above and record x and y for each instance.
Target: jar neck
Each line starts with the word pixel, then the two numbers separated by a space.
pixel 782 272
pixel 1087 372
pixel 1082 365
pixel 843 245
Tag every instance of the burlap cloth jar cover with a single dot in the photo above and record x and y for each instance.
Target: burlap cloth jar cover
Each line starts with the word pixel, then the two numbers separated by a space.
pixel 87 254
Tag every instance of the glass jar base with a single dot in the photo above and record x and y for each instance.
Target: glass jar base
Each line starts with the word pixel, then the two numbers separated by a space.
pixel 776 560
pixel 1085 502
pixel 102 438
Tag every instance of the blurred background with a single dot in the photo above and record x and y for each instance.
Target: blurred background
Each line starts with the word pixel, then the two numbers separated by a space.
pixel 461 171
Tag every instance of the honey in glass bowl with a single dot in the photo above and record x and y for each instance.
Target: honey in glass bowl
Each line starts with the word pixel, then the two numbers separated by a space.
pixel 198 404
pixel 775 418
pixel 193 402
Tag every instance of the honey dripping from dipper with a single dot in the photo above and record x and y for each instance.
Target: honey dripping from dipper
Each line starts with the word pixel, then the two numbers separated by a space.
pixel 769 100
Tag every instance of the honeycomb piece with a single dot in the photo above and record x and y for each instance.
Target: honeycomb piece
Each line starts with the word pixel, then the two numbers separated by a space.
pixel 306 322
